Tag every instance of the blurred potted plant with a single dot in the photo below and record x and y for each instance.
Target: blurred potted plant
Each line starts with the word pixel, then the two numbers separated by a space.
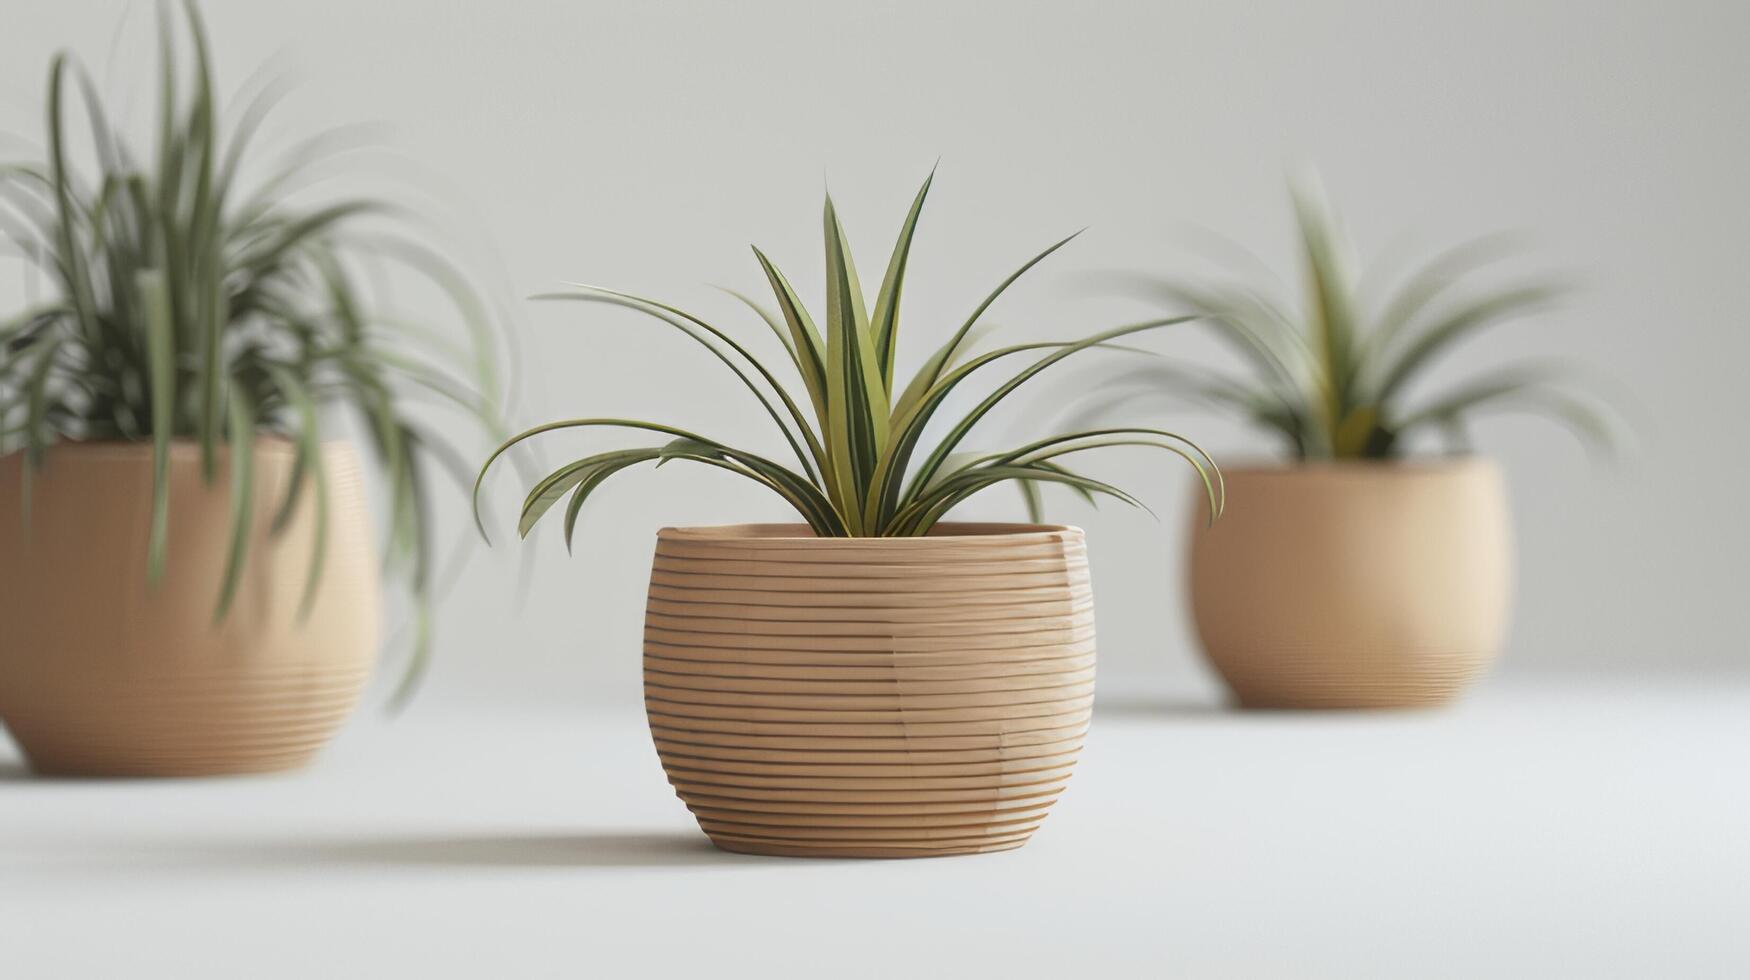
pixel 1355 575
pixel 186 577
pixel 870 682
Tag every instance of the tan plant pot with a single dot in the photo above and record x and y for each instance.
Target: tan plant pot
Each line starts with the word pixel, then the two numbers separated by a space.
pixel 101 674
pixel 869 697
pixel 1354 585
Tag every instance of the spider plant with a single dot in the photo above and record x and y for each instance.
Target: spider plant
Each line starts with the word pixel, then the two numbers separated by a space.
pixel 861 467
pixel 1333 377
pixel 188 306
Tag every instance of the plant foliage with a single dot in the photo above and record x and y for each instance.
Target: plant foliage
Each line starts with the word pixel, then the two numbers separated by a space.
pixel 187 306
pixel 861 465
pixel 1333 377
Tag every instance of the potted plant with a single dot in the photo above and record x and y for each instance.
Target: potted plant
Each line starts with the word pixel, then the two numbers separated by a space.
pixel 870 681
pixel 1355 575
pixel 187 583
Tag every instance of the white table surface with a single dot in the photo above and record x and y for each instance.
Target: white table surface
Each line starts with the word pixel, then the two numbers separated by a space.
pixel 1552 828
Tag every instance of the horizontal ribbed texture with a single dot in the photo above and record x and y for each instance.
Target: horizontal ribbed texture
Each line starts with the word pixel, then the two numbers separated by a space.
pixel 1359 585
pixel 869 697
pixel 101 675
pixel 192 724
pixel 1314 676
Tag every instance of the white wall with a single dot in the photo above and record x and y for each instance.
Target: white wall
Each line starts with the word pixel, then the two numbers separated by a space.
pixel 645 145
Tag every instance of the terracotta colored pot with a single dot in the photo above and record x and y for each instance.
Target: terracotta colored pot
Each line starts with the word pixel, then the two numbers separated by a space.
pixel 869 697
pixel 1354 585
pixel 101 674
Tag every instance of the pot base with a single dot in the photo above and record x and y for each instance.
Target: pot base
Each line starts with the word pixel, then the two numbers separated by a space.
pixel 1349 699
pixel 107 765
pixel 179 725
pixel 889 853
pixel 1283 681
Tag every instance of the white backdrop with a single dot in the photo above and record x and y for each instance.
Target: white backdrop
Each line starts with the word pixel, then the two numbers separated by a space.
pixel 646 145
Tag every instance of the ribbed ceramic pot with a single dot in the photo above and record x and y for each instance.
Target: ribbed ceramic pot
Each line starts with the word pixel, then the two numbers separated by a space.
pixel 869 697
pixel 1354 585
pixel 102 674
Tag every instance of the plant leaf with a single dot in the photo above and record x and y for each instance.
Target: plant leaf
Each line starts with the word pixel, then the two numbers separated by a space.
pixel 800 493
pixel 1429 282
pixel 1074 442
pixel 1457 325
pixel 885 487
pixel 923 513
pixel 857 403
pixel 885 321
pixel 1333 325
pixel 932 370
pixel 552 488
pixel 308 466
pixel 71 257
pixel 959 430
pixel 771 320
pixel 161 353
pixel 680 320
pixel 805 338
pixel 242 439
pixel 1529 388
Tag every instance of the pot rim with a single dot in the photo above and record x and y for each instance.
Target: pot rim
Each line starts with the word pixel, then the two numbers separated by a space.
pixel 1415 466
pixel 799 534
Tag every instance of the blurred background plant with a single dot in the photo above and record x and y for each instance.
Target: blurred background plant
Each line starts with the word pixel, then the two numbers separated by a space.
pixel 188 303
pixel 1332 376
